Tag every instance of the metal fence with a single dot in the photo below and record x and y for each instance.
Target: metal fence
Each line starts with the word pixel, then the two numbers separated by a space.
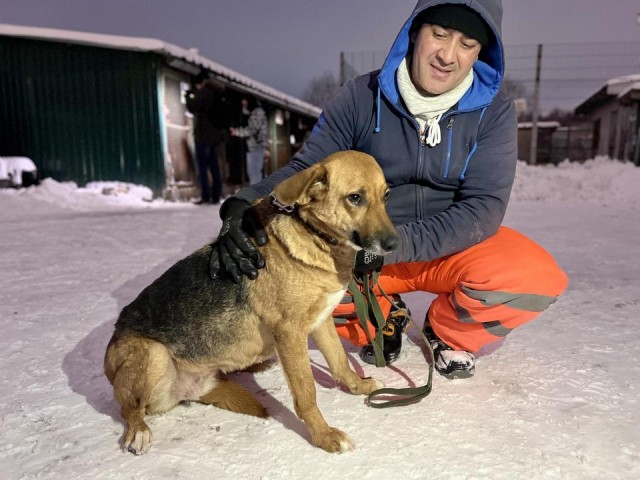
pixel 569 73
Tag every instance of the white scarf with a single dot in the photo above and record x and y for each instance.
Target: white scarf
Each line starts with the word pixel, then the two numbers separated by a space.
pixel 428 110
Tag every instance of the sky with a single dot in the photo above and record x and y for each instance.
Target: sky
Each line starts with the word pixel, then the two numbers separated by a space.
pixel 286 43
pixel 558 400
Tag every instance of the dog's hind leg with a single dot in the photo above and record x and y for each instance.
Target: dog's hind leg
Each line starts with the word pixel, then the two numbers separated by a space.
pixel 328 342
pixel 235 398
pixel 141 372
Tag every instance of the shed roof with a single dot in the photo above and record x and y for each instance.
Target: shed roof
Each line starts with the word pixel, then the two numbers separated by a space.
pixel 614 87
pixel 631 93
pixel 543 124
pixel 187 60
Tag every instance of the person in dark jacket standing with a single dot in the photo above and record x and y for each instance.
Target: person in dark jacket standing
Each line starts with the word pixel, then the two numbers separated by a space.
pixel 445 137
pixel 210 130
pixel 237 146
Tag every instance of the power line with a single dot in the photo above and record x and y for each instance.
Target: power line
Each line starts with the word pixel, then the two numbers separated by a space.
pixel 579 69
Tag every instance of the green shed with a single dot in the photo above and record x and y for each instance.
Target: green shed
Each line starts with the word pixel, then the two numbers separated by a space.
pixel 87 107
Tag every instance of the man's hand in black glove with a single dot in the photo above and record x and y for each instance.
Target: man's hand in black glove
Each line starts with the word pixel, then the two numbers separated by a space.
pixel 367 262
pixel 234 252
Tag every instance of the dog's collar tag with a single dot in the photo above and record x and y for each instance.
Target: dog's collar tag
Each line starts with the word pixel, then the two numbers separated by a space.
pixel 281 206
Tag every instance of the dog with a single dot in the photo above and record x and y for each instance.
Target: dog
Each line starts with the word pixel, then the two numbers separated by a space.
pixel 179 337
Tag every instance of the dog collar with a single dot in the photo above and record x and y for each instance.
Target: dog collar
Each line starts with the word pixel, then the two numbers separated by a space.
pixel 289 209
pixel 281 206
pixel 326 237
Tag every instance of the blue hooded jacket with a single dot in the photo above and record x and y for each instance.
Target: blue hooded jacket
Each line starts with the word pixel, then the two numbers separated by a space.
pixel 445 198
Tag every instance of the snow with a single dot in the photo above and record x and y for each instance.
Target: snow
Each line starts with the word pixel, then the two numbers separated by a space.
pixel 558 400
pixel 632 87
pixel 621 85
pixel 11 169
pixel 624 79
pixel 539 124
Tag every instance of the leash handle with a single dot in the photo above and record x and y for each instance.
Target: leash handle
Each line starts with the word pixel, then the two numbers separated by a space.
pixel 409 395
pixel 366 306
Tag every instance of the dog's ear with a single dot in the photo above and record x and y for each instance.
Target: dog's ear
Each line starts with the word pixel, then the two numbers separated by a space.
pixel 303 187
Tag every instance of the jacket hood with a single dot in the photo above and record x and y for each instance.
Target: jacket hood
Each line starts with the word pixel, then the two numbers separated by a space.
pixel 488 70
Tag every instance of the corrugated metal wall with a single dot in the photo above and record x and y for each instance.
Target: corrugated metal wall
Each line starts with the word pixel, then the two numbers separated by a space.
pixel 81 113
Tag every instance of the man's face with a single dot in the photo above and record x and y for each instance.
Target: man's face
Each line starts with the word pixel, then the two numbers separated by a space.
pixel 441 59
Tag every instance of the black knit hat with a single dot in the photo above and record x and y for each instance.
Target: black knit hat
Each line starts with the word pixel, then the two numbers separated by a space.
pixel 457 17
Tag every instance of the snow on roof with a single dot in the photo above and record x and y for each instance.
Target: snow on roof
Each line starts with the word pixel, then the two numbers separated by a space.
pixel 546 124
pixel 191 56
pixel 614 87
pixel 629 88
pixel 624 79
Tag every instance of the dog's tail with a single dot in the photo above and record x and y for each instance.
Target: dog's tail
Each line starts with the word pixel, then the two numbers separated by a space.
pixel 235 398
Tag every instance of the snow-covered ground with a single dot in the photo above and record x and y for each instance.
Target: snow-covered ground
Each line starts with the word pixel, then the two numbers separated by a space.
pixel 558 400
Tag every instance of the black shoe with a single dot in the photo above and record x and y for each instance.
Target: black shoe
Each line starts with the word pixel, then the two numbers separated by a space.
pixel 448 362
pixel 397 322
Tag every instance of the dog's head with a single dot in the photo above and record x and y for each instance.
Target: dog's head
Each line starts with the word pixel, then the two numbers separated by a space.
pixel 344 196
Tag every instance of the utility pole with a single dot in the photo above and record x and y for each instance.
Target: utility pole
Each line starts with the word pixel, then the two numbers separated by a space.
pixel 533 152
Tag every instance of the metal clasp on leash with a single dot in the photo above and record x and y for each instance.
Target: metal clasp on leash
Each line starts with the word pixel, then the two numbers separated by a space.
pixel 281 206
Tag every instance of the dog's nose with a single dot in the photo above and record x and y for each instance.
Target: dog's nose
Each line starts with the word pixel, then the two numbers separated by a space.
pixel 390 242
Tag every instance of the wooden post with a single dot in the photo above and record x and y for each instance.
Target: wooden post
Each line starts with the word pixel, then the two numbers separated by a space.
pixel 533 152
pixel 636 155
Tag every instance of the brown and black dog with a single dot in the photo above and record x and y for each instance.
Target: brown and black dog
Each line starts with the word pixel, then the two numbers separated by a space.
pixel 175 341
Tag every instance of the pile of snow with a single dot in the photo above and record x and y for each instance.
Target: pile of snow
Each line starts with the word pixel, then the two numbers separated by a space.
pixel 51 195
pixel 598 181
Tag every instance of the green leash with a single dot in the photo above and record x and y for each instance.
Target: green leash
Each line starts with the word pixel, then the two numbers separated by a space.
pixel 365 309
pixel 367 306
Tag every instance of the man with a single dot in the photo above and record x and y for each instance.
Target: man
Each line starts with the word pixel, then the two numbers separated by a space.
pixel 445 138
pixel 211 124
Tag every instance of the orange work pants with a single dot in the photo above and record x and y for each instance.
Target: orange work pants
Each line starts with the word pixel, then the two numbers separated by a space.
pixel 483 292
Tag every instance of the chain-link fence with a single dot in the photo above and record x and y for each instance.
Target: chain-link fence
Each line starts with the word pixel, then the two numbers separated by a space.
pixel 569 73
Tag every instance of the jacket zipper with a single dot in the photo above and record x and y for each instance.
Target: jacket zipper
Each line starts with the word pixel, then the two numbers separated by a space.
pixel 421 149
pixel 449 141
pixel 423 137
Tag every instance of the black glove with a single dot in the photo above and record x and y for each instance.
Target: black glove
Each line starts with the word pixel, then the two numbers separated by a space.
pixel 234 252
pixel 367 262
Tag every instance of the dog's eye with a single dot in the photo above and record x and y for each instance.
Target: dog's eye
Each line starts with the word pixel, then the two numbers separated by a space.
pixel 386 196
pixel 355 198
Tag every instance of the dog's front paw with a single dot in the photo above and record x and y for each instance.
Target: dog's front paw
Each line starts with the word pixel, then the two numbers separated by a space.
pixel 137 441
pixel 366 385
pixel 333 441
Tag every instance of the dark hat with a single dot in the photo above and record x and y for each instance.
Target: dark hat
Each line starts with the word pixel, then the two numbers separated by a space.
pixel 457 17
pixel 200 77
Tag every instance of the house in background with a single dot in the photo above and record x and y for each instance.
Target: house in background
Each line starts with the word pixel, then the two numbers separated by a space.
pixel 545 132
pixel 613 112
pixel 87 107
